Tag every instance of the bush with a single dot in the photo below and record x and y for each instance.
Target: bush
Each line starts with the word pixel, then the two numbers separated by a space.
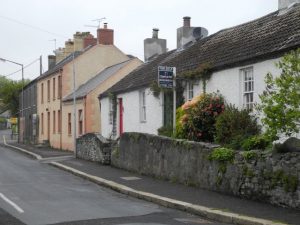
pixel 222 155
pixel 166 131
pixel 281 99
pixel 197 121
pixel 234 125
pixel 256 142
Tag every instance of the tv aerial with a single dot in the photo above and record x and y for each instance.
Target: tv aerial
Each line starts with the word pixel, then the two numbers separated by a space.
pixel 98 21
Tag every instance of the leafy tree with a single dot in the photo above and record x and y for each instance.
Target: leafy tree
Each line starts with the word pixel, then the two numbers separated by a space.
pixel 9 93
pixel 280 102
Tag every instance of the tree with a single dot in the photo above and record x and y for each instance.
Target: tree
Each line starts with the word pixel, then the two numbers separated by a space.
pixel 280 101
pixel 9 93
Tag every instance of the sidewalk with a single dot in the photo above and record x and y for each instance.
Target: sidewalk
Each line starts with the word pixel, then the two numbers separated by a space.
pixel 148 188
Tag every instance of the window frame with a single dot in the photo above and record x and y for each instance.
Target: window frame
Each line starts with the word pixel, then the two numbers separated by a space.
pixel 248 87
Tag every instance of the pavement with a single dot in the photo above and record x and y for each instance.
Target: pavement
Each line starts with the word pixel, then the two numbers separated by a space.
pixel 211 205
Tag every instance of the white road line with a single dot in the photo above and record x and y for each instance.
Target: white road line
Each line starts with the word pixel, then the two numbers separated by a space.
pixel 4 140
pixel 20 210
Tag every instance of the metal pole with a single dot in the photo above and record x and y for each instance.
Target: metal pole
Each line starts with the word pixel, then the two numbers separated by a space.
pixel 74 104
pixel 174 100
pixel 23 121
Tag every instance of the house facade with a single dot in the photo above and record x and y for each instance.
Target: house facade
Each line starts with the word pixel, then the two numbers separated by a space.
pixel 238 57
pixel 87 106
pixel 28 130
pixel 57 83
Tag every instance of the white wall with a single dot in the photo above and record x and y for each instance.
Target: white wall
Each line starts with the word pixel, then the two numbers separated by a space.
pixel 228 82
pixel 131 114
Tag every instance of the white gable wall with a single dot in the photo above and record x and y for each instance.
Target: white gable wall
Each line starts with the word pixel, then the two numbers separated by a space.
pixel 131 113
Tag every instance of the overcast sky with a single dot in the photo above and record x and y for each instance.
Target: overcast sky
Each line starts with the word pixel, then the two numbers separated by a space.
pixel 26 27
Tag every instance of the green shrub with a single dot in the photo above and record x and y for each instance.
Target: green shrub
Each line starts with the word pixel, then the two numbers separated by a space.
pixel 222 155
pixel 179 133
pixel 255 142
pixel 234 125
pixel 281 99
pixel 166 131
pixel 198 120
pixel 250 155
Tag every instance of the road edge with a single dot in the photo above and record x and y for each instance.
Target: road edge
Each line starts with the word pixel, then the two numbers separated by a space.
pixel 213 214
pixel 34 155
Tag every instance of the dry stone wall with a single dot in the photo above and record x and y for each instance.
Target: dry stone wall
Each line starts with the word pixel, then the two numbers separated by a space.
pixel 93 147
pixel 267 177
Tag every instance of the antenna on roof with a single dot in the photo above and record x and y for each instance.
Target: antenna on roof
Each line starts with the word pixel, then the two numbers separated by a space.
pixel 96 20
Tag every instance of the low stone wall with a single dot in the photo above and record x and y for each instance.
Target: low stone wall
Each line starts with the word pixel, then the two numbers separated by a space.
pixel 273 178
pixel 93 147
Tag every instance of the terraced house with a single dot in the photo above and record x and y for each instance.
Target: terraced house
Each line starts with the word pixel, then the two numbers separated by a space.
pixel 238 57
pixel 56 124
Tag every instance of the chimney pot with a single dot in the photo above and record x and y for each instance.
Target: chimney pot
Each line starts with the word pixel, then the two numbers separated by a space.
pixel 155 33
pixel 187 21
pixel 105 25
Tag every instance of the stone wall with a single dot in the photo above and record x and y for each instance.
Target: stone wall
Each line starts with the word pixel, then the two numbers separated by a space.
pixel 267 177
pixel 93 147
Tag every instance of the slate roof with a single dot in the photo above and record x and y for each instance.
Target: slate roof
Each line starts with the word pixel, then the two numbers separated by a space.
pixel 267 37
pixel 91 84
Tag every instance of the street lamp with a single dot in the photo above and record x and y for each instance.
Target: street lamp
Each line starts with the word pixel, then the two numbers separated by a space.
pixel 22 94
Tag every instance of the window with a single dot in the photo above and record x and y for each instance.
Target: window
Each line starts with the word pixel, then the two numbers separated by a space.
pixel 42 93
pixel 69 124
pixel 111 111
pixel 53 88
pixel 248 88
pixel 59 87
pixel 80 119
pixel 48 90
pixel 143 106
pixel 42 123
pixel 190 91
pixel 54 122
pixel 58 121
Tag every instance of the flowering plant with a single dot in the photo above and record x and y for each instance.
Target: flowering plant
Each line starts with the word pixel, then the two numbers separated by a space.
pixel 197 118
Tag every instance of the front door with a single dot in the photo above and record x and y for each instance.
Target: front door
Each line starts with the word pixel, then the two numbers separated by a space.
pixel 120 116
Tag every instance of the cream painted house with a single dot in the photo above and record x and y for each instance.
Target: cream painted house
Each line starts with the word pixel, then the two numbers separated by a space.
pixel 57 83
pixel 87 104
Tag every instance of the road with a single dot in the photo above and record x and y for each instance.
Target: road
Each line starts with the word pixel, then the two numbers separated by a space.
pixel 36 193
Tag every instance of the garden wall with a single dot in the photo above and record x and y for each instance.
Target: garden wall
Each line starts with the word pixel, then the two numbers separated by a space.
pixel 93 147
pixel 272 178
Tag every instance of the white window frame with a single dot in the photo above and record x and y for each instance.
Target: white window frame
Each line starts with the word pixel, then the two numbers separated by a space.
pixel 110 111
pixel 248 87
pixel 190 90
pixel 143 108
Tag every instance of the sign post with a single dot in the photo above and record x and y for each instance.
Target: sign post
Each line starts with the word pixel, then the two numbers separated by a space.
pixel 167 79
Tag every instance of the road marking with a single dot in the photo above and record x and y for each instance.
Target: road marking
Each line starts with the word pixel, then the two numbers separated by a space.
pixel 4 141
pixel 19 209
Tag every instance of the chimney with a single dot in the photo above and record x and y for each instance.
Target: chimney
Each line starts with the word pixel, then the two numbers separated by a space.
pixel 282 4
pixel 187 21
pixel 51 61
pixel 154 46
pixel 187 35
pixel 155 33
pixel 105 36
pixel 89 40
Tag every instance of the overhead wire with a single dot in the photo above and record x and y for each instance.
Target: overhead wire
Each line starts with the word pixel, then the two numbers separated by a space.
pixel 8 75
pixel 31 26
